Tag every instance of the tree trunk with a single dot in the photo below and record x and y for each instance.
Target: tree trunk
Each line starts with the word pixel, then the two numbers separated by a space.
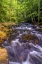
pixel 10 10
pixel 38 10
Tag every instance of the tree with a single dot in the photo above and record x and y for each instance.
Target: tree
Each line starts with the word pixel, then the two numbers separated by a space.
pixel 21 10
pixel 38 10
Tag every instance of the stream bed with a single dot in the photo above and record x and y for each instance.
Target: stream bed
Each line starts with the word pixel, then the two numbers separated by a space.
pixel 24 45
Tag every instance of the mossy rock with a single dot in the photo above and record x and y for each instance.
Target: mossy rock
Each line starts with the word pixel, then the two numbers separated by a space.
pixel 3 56
pixel 30 38
pixel 2 28
pixel 2 37
pixel 7 24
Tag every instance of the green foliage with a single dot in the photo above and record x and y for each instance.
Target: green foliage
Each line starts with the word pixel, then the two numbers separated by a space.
pixel 20 10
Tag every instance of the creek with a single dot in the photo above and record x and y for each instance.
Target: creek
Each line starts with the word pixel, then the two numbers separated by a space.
pixel 24 45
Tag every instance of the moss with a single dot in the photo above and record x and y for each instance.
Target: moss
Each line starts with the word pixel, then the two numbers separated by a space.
pixel 2 36
pixel 30 38
pixel 7 24
pixel 5 31
pixel 3 56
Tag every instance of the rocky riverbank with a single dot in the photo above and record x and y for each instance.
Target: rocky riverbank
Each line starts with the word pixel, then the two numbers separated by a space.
pixel 7 31
pixel 4 33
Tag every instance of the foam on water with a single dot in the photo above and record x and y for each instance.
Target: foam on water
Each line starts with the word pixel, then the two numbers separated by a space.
pixel 13 62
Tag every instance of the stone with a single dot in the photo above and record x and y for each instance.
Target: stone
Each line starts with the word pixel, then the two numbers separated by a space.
pixel 2 37
pixel 31 38
pixel 3 56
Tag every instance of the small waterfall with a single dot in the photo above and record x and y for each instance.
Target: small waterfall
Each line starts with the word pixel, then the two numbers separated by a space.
pixel 33 57
pixel 27 61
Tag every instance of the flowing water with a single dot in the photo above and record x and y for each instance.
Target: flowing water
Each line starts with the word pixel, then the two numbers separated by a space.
pixel 24 45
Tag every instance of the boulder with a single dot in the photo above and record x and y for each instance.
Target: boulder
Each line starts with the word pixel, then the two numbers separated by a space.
pixel 31 38
pixel 3 56
pixel 2 37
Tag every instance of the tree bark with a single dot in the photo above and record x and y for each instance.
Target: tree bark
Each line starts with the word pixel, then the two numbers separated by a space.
pixel 38 10
pixel 10 10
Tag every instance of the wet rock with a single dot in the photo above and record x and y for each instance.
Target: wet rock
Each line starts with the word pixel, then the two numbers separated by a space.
pixel 26 45
pixel 30 38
